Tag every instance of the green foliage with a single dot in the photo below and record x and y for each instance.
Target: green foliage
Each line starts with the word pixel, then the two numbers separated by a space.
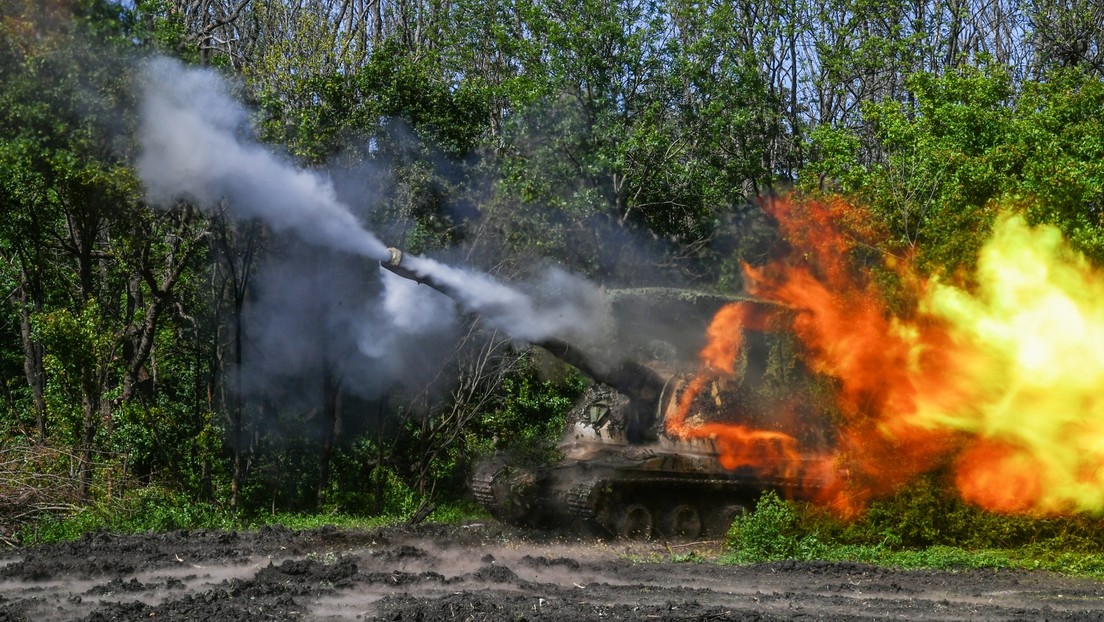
pixel 458 512
pixel 164 29
pixel 942 557
pixel 77 341
pixel 771 532
pixel 155 509
pixel 446 114
pixel 627 135
pixel 53 528
pixel 967 146
pixel 921 526
pixel 168 443
pixel 356 480
pixel 528 418
pixel 690 557
pixel 943 161
pixel 314 521
pixel 284 476
pixel 77 347
pixel 146 509
pixel 1058 146
pixel 927 513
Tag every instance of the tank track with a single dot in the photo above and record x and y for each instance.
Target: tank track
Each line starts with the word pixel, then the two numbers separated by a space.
pixel 597 501
pixel 580 503
pixel 508 493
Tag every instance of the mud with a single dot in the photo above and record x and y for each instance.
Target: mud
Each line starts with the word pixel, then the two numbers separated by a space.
pixel 490 572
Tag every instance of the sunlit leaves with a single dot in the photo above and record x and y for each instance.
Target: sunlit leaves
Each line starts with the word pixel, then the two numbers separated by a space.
pixel 936 170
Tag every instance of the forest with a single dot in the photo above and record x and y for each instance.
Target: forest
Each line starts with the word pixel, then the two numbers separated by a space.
pixel 176 339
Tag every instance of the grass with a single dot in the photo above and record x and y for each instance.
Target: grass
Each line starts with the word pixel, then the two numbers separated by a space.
pixel 445 513
pixel 155 510
pixel 942 557
pixel 314 521
pixel 779 530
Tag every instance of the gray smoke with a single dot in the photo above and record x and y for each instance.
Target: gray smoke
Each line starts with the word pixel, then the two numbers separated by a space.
pixel 557 304
pixel 196 145
pixel 314 306
pixel 316 309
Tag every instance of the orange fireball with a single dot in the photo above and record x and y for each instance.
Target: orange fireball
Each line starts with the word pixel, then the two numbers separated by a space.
pixel 1001 380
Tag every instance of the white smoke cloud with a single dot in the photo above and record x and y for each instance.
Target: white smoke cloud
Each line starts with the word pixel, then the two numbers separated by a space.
pixel 313 306
pixel 197 145
pixel 558 304
pixel 406 311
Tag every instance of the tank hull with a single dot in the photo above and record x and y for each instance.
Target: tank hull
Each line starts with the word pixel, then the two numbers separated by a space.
pixel 669 489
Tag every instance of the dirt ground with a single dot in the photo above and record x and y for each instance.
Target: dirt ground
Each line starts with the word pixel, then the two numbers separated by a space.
pixel 486 571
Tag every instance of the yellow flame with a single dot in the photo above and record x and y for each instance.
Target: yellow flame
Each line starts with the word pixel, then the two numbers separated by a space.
pixel 1029 374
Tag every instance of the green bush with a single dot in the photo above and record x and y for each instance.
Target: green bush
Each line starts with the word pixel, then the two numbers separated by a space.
pixel 528 418
pixel 156 509
pixel 148 509
pixel 57 528
pixel 458 512
pixel 353 481
pixel 923 525
pixel 772 532
pixel 927 513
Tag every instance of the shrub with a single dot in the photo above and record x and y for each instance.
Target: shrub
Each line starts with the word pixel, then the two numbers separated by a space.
pixel 772 532
pixel 927 513
pixel 148 509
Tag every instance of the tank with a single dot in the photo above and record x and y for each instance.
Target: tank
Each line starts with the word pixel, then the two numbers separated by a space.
pixel 661 446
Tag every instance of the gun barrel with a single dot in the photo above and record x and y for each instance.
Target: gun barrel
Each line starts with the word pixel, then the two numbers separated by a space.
pixel 394 264
pixel 633 379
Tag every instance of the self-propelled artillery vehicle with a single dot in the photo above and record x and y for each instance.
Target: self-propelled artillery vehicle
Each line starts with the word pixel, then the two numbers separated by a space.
pixel 660 446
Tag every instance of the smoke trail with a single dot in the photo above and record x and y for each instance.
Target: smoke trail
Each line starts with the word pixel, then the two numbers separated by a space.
pixel 559 304
pixel 196 145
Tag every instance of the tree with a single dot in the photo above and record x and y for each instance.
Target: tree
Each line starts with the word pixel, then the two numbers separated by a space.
pixel 969 144
pixel 1067 34
pixel 235 248
pixel 98 269
pixel 935 165
pixel 1057 151
pixel 205 30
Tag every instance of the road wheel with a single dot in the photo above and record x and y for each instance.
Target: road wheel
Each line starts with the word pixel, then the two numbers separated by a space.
pixel 720 519
pixel 635 523
pixel 682 522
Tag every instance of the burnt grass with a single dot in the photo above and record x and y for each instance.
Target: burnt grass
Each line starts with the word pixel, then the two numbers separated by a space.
pixel 487 571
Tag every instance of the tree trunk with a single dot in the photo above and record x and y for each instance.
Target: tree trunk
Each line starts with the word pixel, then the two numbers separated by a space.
pixel 331 417
pixel 32 361
pixel 236 477
pixel 377 24
pixel 377 496
pixel 90 412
